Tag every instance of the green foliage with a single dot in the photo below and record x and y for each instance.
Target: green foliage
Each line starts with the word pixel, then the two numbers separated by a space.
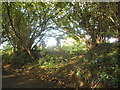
pixel 103 66
pixel 50 60
pixel 75 49
pixel 110 80
pixel 6 59
pixel 7 47
pixel 25 22
pixel 5 56
pixel 20 58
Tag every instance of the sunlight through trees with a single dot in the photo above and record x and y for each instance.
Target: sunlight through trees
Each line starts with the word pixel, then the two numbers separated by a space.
pixel 60 44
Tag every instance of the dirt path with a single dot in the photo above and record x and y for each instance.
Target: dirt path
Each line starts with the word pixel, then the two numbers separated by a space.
pixel 10 80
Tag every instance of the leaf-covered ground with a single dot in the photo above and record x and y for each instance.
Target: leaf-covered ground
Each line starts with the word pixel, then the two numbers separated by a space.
pixel 11 80
pixel 59 76
pixel 88 70
pixel 35 78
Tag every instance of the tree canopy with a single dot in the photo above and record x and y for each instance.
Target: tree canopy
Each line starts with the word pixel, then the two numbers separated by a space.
pixel 82 54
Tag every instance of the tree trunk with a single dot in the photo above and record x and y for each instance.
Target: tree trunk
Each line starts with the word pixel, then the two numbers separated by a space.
pixel 29 52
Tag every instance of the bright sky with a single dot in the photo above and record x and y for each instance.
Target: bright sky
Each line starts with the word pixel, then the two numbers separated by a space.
pixel 51 41
pixel 1 45
pixel 111 40
pixel 68 41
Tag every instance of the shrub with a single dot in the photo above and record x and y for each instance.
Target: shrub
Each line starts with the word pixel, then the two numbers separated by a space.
pixel 6 59
pixel 103 66
pixel 20 58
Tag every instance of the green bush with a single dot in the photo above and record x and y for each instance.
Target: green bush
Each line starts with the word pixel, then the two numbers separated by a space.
pixel 5 56
pixel 20 58
pixel 103 66
pixel 6 59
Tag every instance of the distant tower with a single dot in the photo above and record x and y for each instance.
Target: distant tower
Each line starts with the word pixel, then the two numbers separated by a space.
pixel 43 44
pixel 58 42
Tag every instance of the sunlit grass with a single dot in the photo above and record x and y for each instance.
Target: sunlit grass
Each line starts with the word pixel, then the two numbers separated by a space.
pixel 8 76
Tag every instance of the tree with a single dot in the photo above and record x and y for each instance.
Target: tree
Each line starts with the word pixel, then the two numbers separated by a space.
pixel 98 21
pixel 24 22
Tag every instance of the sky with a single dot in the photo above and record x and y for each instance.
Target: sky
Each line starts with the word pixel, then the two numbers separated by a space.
pixel 51 41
